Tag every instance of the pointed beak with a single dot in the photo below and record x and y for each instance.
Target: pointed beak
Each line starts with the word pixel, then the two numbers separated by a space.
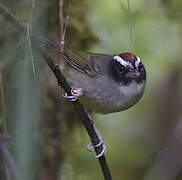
pixel 133 74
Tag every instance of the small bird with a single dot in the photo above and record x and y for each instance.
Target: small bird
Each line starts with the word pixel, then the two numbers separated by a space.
pixel 103 83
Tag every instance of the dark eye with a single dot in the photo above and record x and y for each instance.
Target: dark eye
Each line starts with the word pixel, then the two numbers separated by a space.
pixel 120 69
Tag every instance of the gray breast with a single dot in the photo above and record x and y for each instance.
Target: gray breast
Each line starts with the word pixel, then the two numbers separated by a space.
pixel 103 95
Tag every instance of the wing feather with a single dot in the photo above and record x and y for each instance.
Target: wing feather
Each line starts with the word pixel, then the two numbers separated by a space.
pixel 84 62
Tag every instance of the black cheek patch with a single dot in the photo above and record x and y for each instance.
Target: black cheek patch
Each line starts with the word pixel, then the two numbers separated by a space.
pixel 120 77
pixel 142 76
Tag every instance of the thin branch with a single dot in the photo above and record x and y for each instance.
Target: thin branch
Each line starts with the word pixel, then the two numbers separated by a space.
pixel 85 118
pixel 130 25
pixel 29 25
pixel 61 21
pixel 30 49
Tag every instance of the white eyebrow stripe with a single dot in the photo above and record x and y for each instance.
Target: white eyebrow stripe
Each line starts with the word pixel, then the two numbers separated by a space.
pixel 137 62
pixel 122 61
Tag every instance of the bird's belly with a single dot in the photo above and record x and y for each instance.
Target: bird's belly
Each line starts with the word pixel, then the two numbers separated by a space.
pixel 101 101
pixel 102 96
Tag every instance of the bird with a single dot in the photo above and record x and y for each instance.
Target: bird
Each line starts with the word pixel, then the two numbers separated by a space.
pixel 103 83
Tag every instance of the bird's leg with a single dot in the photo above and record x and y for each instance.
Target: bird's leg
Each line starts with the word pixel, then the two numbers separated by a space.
pixel 101 143
pixel 75 94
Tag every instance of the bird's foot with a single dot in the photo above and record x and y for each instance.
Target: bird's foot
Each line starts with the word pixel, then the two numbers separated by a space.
pixel 75 94
pixel 90 148
pixel 101 143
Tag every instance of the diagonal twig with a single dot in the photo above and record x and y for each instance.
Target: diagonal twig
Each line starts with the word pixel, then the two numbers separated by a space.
pixel 85 118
